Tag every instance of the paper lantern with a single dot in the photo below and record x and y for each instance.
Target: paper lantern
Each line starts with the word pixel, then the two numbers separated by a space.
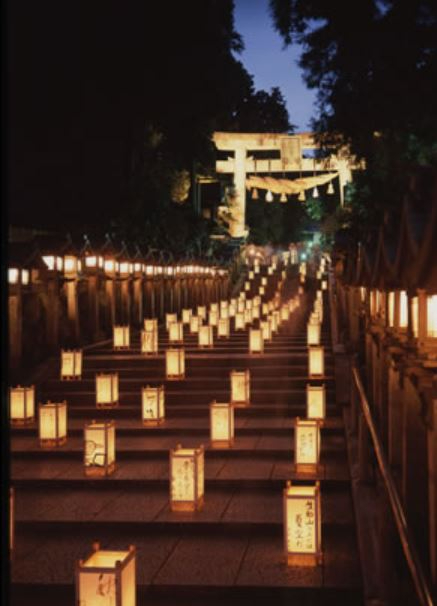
pixel 266 330
pixel 285 313
pixel 239 321
pixel 175 364
pixel 176 332
pixel 107 390
pixel 232 310
pixel 241 306
pixel 316 401
pixel 313 334
pixel 248 316
pixel 224 313
pixel 221 424
pixel 302 278
pixel 256 301
pixel 256 341
pixel 169 318
pixel 431 316
pixel 277 315
pixel 403 309
pixel 205 336
pixel 324 284
pixel 300 290
pixel 22 405
pixel 265 309
pixel 186 316
pixel 187 478
pixel 256 269
pixel 318 275
pixel 247 286
pixel 194 324
pixel 52 424
pixel 71 364
pixel 223 328
pixel 273 323
pixel 249 304
pixel 240 387
pixel 270 271
pixel 151 324
pixel 149 341
pixel 242 296
pixel 213 317
pixel 415 316
pixel 271 306
pixel 302 525
pixel 314 318
pixel 306 445
pixel 106 578
pixel 251 275
pixel 152 399
pixel 121 337
pixel 316 365
pixel 319 295
pixel 256 313
pixel 99 450
pixel 263 281
pixel 201 312
pixel 214 307
pixel 261 290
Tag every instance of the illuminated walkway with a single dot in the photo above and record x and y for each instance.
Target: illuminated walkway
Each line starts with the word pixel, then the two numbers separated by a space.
pixel 232 551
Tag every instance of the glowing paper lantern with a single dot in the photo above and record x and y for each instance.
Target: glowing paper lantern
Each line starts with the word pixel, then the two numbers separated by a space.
pixel 241 306
pixel 256 301
pixel 273 323
pixel 71 364
pixel 232 310
pixel 403 309
pixel 187 478
pixel 313 334
pixel 314 318
pixel 175 364
pixel 186 316
pixel 176 332
pixel 249 304
pixel 205 336
pixel 285 313
pixel 169 318
pixel 316 365
pixel 106 578
pixel 266 330
pixel 316 402
pixel 240 387
pixel 213 317
pixel 121 337
pixel 223 328
pixel 324 285
pixel 270 271
pixel 306 445
pixel 263 281
pixel 302 525
pixel 251 275
pixel 247 286
pixel 431 316
pixel 391 308
pixel 22 405
pixel 302 278
pixel 99 451
pixel 415 316
pixel 239 321
pixel 248 316
pixel 256 341
pixel 152 400
pixel 221 424
pixel 261 290
pixel 256 314
pixel 106 390
pixel 265 309
pixel 277 315
pixel 149 341
pixel 52 424
pixel 214 307
pixel 194 324
pixel 151 324
pixel 201 311
pixel 224 313
pixel 271 306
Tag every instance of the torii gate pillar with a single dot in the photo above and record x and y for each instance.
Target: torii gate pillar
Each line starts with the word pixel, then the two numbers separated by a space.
pixel 237 227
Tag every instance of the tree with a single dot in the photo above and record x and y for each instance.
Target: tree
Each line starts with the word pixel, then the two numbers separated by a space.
pixel 262 112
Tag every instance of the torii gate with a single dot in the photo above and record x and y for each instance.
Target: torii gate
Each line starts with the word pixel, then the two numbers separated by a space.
pixel 290 148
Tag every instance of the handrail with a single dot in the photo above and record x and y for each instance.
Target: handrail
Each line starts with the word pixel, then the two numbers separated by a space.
pixel 422 589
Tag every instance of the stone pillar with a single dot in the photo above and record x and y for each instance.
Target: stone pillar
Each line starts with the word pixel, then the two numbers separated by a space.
pixel 72 310
pixel 177 294
pixel 93 306
pixel 52 313
pixel 138 301
pixel 238 203
pixel 110 303
pixel 15 326
pixel 125 311
pixel 161 296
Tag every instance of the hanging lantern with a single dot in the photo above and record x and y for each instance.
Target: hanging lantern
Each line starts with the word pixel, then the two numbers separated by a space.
pixel 205 336
pixel 273 323
pixel 194 324
pixel 106 578
pixel 251 275
pixel 403 308
pixel 99 451
pixel 22 405
pixel 316 401
pixel 265 309
pixel 221 425
pixel 330 190
pixel 52 424
pixel 107 390
pixel 313 333
pixel 187 478
pixel 71 364
pixel 283 197
pixel 223 328
pixel 315 192
pixel 301 196
pixel 302 525
pixel 149 341
pixel 306 445
pixel 175 364
pixel 152 399
pixel 254 194
pixel 176 332
pixel 269 196
pixel 240 387
pixel 169 318
pixel 186 316
pixel 224 305
pixel 316 361
pixel 121 337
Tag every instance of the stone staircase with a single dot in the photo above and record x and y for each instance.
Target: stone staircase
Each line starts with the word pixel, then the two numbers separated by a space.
pixel 232 551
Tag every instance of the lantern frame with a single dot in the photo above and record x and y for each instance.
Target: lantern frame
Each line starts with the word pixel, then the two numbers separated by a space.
pixel 28 405
pixel 60 438
pixel 169 318
pixel 124 331
pixel 157 407
pixel 314 350
pixel 239 323
pixel 76 357
pixel 176 332
pixel 91 469
pixel 311 426
pixel 169 353
pixel 201 312
pixel 319 392
pixel 236 377
pixel 114 389
pixel 229 423
pixel 197 456
pixel 223 328
pixel 186 315
pixel 205 337
pixel 195 323
pixel 256 341
pixel 149 344
pixel 313 333
pixel 213 317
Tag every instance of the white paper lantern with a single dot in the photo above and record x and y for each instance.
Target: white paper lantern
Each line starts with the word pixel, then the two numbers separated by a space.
pixel 99 448
pixel 187 478
pixel 302 525
pixel 240 387
pixel 52 424
pixel 71 364
pixel 316 401
pixel 175 364
pixel 22 405
pixel 221 424
pixel 153 406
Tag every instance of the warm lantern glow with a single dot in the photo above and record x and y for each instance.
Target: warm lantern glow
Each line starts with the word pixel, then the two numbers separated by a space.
pixel 247 286
pixel 306 445
pixel 313 334
pixel 149 341
pixel 316 366
pixel 248 316
pixel 316 401
pixel 302 525
pixel 99 451
pixel 201 311
pixel 106 578
pixel 169 318
pixel 194 324
pixel 324 285
pixel 223 328
pixel 270 271
pixel 266 330
pixel 251 275
pixel 213 317
pixel 241 306
pixel 256 341
pixel 285 313
pixel 263 281
pixel 273 323
pixel 176 332
pixel 187 478
pixel 175 364
pixel 52 424
pixel 265 309
pixel 221 425
pixel 239 321
pixel 232 310
pixel 256 312
pixel 70 265
pixel 431 313
pixel 186 316
pixel 13 275
pixel 152 399
pixel 71 364
pixel 151 324
pixel 403 309
pixel 205 336
pixel 240 387
pixel 121 337
pixel 261 290
pixel 415 316
pixel 107 390
pixel 22 405
pixel 391 308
